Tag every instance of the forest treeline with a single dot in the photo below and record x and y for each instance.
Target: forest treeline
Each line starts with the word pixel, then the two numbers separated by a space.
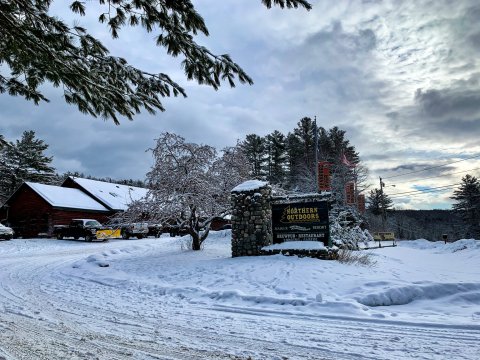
pixel 422 224
pixel 25 160
pixel 286 160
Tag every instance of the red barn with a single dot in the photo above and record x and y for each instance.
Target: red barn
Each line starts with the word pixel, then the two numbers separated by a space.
pixel 34 209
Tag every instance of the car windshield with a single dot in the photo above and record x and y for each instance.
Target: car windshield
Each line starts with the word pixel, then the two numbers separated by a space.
pixel 92 223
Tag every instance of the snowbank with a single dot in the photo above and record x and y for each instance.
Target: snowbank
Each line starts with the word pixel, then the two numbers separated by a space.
pixel 415 278
pixel 416 282
pixel 440 246
pixel 297 245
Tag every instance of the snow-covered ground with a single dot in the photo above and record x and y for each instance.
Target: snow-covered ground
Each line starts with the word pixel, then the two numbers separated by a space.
pixel 151 299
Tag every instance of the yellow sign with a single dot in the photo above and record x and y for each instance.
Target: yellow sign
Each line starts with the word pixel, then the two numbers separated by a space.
pixel 300 214
pixel 383 236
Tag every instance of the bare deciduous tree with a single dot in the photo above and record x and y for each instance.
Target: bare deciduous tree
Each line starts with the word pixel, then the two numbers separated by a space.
pixel 189 185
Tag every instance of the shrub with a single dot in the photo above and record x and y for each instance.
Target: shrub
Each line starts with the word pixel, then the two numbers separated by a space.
pixel 362 258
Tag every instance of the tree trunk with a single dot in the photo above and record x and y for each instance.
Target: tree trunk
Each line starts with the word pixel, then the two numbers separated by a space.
pixel 196 243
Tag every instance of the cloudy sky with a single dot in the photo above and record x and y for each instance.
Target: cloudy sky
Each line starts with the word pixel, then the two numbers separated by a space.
pixel 402 78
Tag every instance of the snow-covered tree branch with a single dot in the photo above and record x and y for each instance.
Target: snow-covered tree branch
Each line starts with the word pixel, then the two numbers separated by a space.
pixel 190 185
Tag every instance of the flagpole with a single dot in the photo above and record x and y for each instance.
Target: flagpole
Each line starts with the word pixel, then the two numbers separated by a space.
pixel 316 153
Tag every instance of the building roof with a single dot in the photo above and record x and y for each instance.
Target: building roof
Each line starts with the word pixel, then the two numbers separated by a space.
pixel 114 196
pixel 66 197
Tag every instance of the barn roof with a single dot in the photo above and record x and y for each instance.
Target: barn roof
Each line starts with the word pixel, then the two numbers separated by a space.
pixel 114 196
pixel 66 197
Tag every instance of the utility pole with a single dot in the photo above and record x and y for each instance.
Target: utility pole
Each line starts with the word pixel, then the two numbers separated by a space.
pixel 316 153
pixel 384 215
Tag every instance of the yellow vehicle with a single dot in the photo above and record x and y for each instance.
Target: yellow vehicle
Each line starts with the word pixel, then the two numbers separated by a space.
pixel 109 234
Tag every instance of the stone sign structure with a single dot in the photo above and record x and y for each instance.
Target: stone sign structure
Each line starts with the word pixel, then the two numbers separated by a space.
pixel 305 217
pixel 251 218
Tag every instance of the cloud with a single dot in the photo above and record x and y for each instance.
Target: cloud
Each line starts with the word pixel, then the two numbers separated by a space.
pixel 402 78
pixel 449 103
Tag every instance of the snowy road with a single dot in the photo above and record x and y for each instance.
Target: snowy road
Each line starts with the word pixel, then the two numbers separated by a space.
pixel 154 301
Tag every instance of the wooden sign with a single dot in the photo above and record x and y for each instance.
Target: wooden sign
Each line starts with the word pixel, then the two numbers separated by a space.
pixel 324 176
pixel 306 221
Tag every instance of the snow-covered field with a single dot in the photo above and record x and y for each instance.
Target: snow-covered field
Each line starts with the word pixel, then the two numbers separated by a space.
pixel 150 299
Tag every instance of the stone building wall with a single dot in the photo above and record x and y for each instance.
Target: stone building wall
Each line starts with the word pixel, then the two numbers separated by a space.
pixel 251 218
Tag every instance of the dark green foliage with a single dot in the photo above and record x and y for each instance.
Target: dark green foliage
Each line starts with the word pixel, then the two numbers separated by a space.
pixel 24 160
pixel 39 48
pixel 277 157
pixel 421 224
pixel 256 152
pixel 333 144
pixel 290 160
pixel 295 157
pixel 287 3
pixel 305 133
pixel 467 203
pixel 377 200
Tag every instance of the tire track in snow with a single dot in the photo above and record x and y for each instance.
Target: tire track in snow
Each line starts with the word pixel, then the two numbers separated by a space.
pixel 85 323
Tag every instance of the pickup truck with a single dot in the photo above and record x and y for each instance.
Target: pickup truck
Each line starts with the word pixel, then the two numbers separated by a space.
pixel 6 233
pixel 79 228
pixel 139 230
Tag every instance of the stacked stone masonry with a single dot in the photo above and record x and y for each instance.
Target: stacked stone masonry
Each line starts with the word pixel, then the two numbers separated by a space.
pixel 251 221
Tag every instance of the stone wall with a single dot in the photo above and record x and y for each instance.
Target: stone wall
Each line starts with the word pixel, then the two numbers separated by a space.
pixel 251 218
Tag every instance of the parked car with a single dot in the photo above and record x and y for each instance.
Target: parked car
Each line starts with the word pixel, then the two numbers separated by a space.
pixel 138 229
pixel 6 233
pixel 155 230
pixel 175 230
pixel 86 228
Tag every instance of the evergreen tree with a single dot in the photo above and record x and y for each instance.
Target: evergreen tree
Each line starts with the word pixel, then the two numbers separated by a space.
pixel 345 162
pixel 277 157
pixel 305 132
pixel 294 159
pixel 333 145
pixel 254 148
pixel 37 47
pixel 467 198
pixel 24 160
pixel 290 160
pixel 377 200
pixel 300 154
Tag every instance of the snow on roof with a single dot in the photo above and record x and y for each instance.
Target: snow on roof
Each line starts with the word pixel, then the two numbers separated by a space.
pixel 249 185
pixel 115 196
pixel 58 196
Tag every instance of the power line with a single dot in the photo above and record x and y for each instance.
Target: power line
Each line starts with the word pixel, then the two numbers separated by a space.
pixel 428 189
pixel 432 177
pixel 432 167
pixel 416 195
pixel 420 193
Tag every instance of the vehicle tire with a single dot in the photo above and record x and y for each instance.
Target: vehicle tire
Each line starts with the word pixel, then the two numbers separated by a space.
pixel 125 235
pixel 88 238
pixel 59 237
pixel 140 236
